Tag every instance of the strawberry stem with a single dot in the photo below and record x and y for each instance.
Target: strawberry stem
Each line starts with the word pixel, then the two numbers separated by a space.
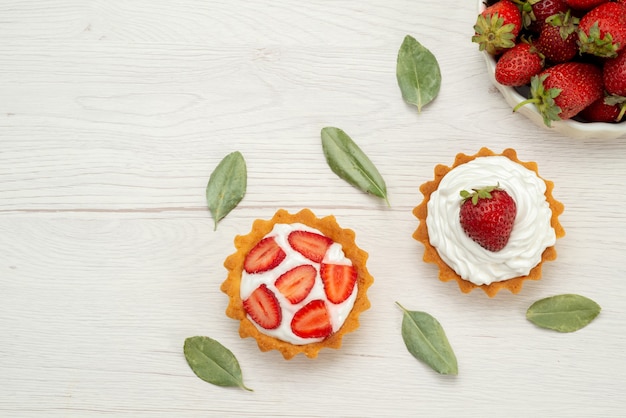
pixel 621 113
pixel 492 34
pixel 484 193
pixel 543 99
pixel 594 43
pixel 615 100
pixel 525 102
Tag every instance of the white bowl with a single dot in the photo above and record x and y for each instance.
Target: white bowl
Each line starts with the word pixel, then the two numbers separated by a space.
pixel 571 128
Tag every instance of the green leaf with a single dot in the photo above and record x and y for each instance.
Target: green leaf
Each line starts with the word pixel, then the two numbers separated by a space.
pixel 426 340
pixel 212 362
pixel 418 73
pixel 347 160
pixel 563 313
pixel 227 186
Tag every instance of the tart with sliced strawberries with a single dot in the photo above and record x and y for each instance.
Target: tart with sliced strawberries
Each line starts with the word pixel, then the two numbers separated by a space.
pixel 489 221
pixel 297 283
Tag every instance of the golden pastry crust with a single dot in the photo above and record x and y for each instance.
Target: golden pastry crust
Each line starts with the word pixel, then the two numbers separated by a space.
pixel 432 256
pixel 234 264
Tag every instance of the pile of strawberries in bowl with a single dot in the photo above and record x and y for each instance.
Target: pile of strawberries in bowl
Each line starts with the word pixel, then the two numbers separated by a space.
pixel 561 63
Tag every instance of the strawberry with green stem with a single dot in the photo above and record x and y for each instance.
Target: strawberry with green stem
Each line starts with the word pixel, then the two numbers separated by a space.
pixel 614 76
pixel 558 38
pixel 562 91
pixel 602 31
pixel 497 27
pixel 540 10
pixel 619 103
pixel 605 109
pixel 487 216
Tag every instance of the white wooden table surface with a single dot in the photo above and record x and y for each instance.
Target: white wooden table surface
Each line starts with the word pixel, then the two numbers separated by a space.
pixel 113 115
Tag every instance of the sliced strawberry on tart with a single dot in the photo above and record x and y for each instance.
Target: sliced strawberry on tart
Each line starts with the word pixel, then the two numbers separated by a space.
pixel 263 307
pixel 339 281
pixel 310 244
pixel 290 290
pixel 296 284
pixel 312 320
pixel 266 255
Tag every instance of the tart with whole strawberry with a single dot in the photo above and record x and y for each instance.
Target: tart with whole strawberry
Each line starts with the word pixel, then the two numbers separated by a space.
pixel 297 283
pixel 489 221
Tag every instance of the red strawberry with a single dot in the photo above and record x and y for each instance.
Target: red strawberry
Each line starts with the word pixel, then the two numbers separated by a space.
pixel 584 5
pixel 263 308
pixel 497 27
pixel 266 255
pixel 487 216
pixel 562 91
pixel 558 38
pixel 614 75
pixel 311 245
pixel 602 31
pixel 543 9
pixel 296 284
pixel 620 103
pixel 339 281
pixel 601 111
pixel 518 64
pixel 312 320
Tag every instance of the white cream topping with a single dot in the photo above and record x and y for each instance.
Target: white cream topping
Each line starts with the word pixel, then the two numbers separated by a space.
pixel 334 255
pixel 531 234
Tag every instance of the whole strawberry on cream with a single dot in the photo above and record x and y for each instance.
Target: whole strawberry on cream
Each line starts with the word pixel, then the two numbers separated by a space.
pixel 488 221
pixel 297 283
pixel 487 216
